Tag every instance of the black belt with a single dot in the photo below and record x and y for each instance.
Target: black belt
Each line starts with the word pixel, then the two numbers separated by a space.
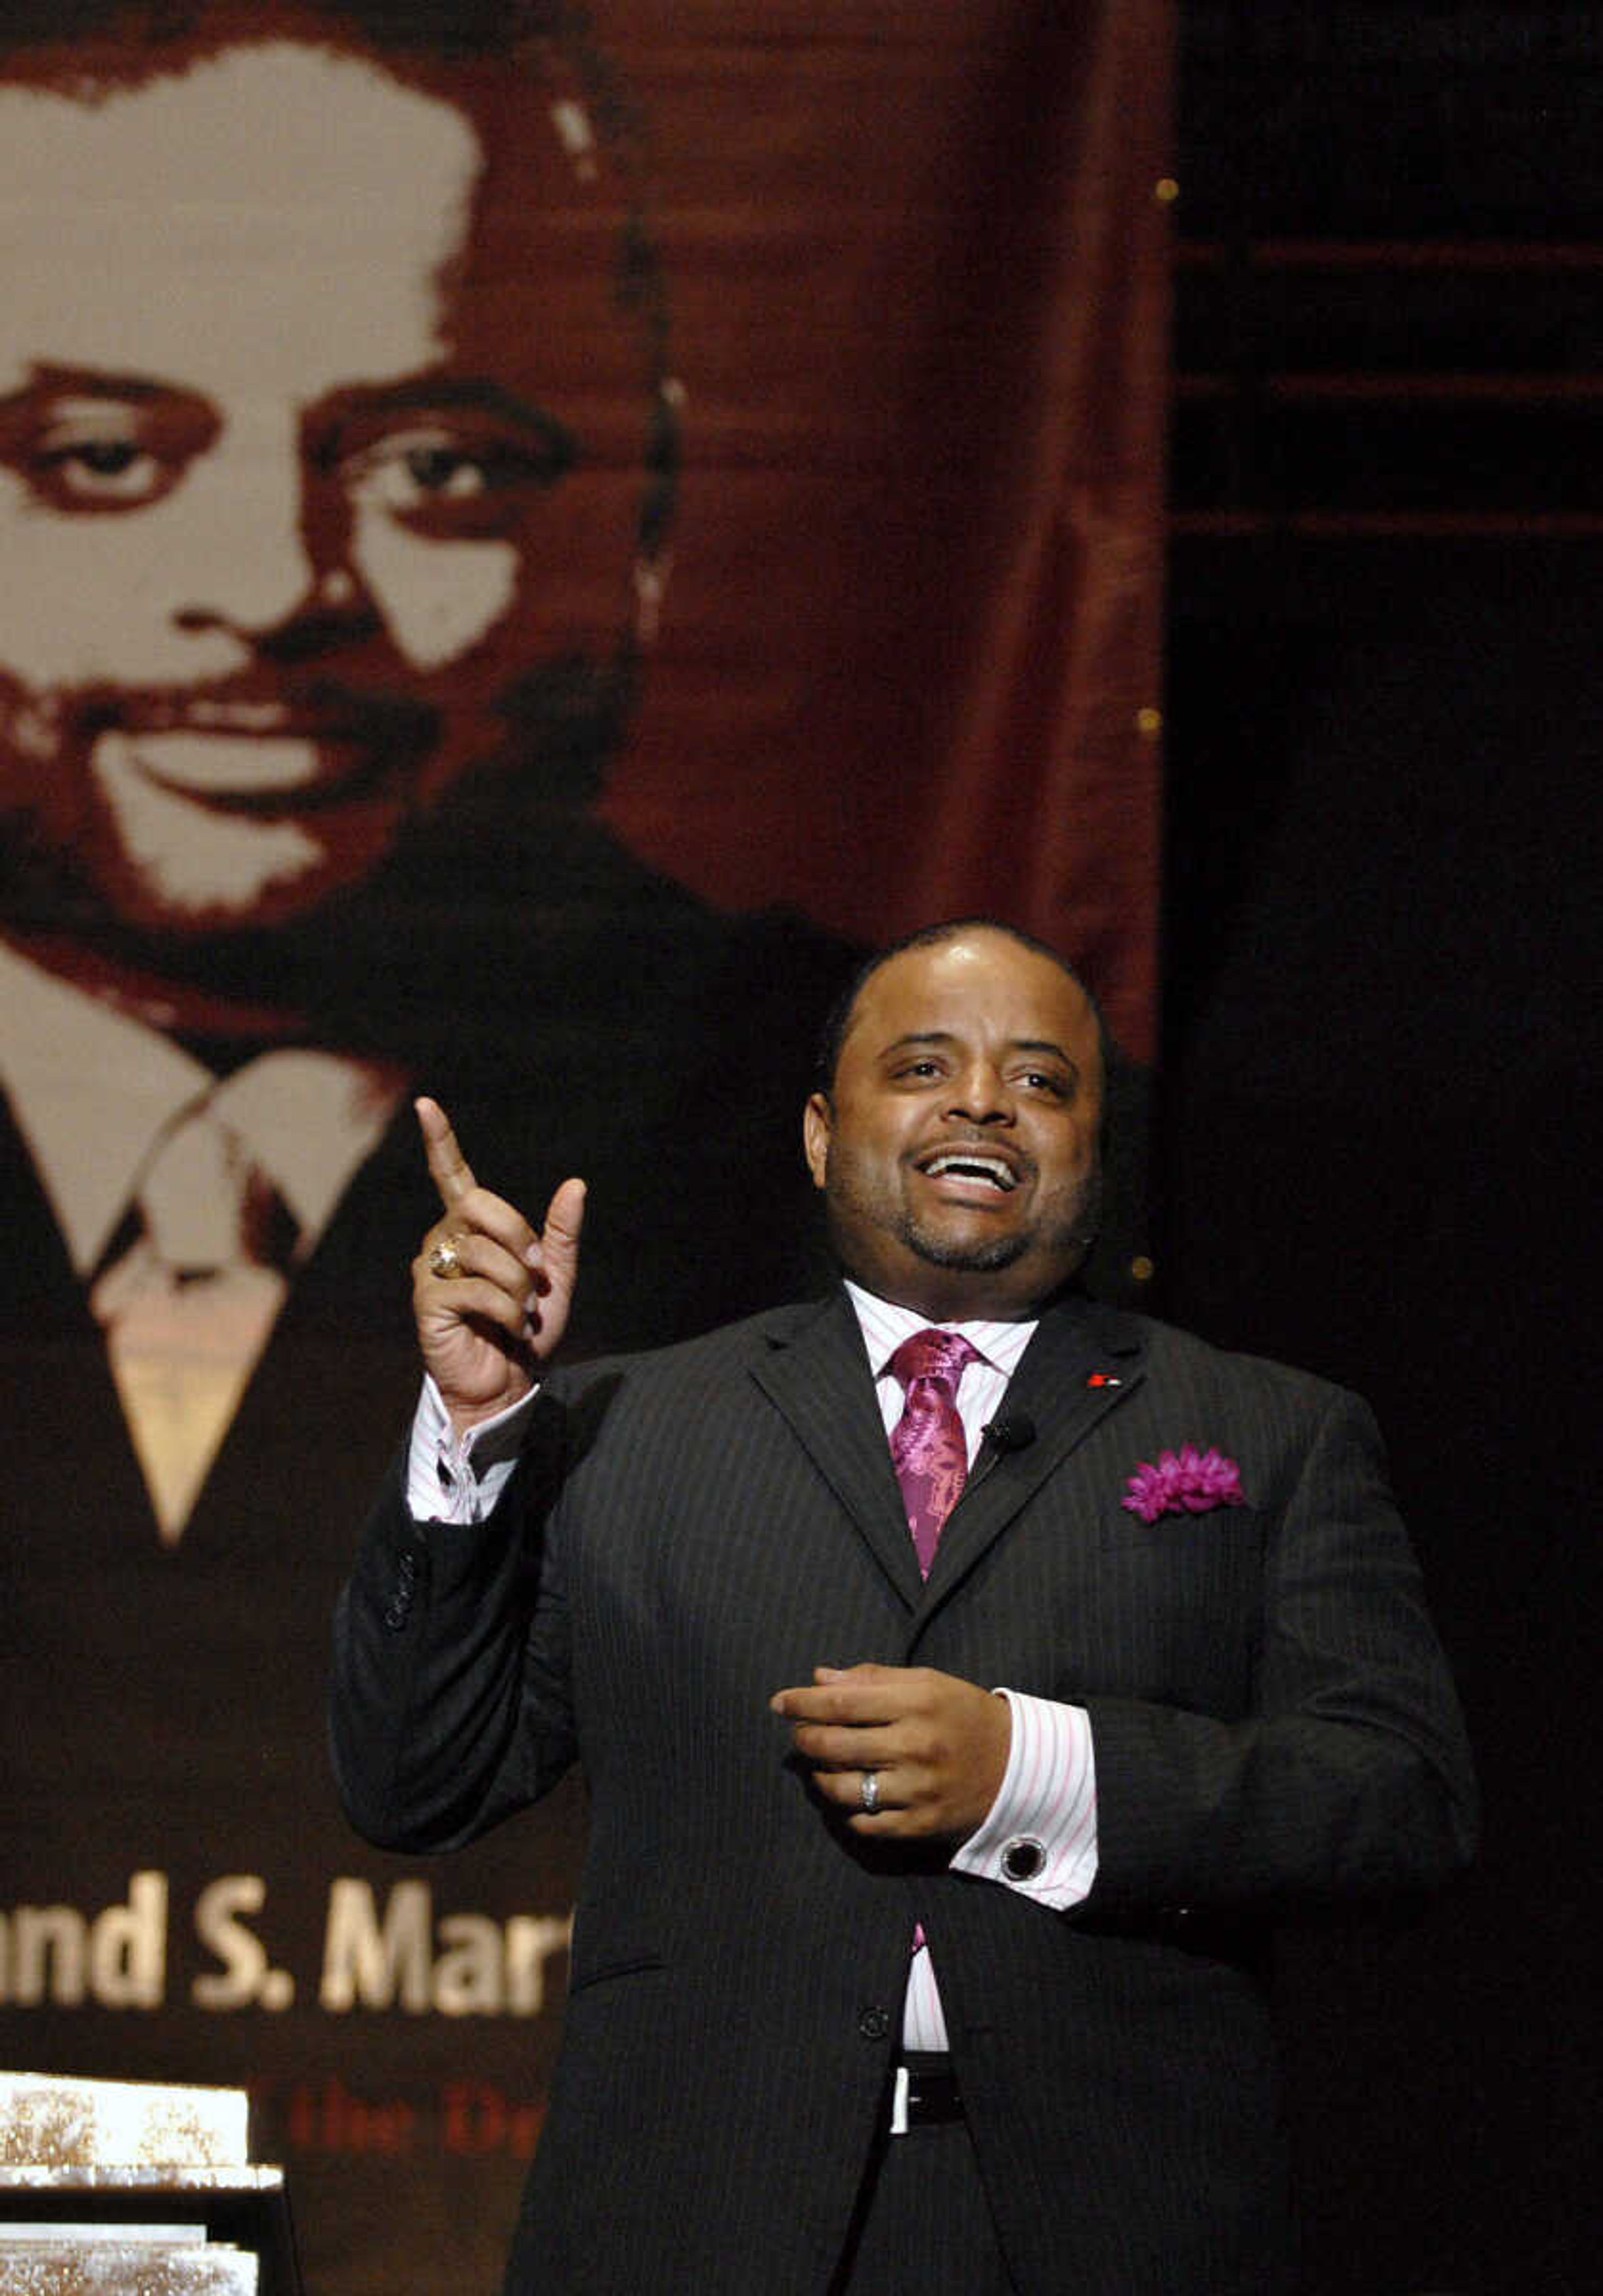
pixel 924 2092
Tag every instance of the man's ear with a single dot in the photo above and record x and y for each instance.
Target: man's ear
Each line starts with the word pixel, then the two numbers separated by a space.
pixel 818 1118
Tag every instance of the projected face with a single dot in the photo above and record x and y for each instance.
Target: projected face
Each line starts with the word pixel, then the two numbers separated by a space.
pixel 290 494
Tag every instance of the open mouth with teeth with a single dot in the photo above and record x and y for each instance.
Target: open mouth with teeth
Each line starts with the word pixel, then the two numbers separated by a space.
pixel 970 1164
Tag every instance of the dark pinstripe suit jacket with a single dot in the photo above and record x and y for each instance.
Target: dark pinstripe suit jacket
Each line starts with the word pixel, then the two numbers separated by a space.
pixel 690 1530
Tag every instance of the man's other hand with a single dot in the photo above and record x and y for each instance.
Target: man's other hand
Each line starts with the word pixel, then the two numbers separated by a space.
pixel 488 1324
pixel 936 1746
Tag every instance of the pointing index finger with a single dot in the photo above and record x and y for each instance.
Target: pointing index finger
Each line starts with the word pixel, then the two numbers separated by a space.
pixel 448 1167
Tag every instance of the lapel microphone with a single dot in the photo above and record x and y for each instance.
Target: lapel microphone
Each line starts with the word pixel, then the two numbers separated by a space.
pixel 1014 1432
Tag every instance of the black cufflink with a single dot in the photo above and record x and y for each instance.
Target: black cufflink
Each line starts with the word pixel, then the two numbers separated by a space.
pixel 1022 1858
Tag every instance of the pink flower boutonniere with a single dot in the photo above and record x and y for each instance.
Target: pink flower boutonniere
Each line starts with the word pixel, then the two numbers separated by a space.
pixel 1187 1481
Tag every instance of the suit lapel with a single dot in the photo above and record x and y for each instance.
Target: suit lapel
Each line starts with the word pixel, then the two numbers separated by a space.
pixel 1076 1344
pixel 818 1375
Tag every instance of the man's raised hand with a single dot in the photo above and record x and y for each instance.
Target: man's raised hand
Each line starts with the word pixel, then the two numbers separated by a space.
pixel 486 1328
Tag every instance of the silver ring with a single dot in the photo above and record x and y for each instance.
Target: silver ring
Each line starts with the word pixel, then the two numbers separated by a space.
pixel 869 1791
pixel 443 1260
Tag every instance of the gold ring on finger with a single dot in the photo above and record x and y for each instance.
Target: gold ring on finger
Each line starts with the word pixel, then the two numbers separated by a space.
pixel 444 1261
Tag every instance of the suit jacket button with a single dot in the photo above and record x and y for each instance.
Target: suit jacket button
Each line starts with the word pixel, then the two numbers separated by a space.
pixel 874 2025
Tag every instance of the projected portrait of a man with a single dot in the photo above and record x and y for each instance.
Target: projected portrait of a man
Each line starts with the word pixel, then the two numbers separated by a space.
pixel 336 458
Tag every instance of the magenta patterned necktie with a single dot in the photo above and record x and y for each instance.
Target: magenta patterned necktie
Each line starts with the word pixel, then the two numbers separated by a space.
pixel 927 1444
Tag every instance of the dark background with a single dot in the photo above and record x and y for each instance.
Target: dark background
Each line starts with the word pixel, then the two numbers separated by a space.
pixel 1377 1122
pixel 1378 1139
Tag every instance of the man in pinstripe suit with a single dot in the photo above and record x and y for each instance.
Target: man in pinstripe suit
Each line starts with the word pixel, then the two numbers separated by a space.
pixel 917 1938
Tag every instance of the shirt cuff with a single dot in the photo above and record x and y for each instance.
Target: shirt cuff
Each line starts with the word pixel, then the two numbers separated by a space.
pixel 1040 1834
pixel 452 1477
